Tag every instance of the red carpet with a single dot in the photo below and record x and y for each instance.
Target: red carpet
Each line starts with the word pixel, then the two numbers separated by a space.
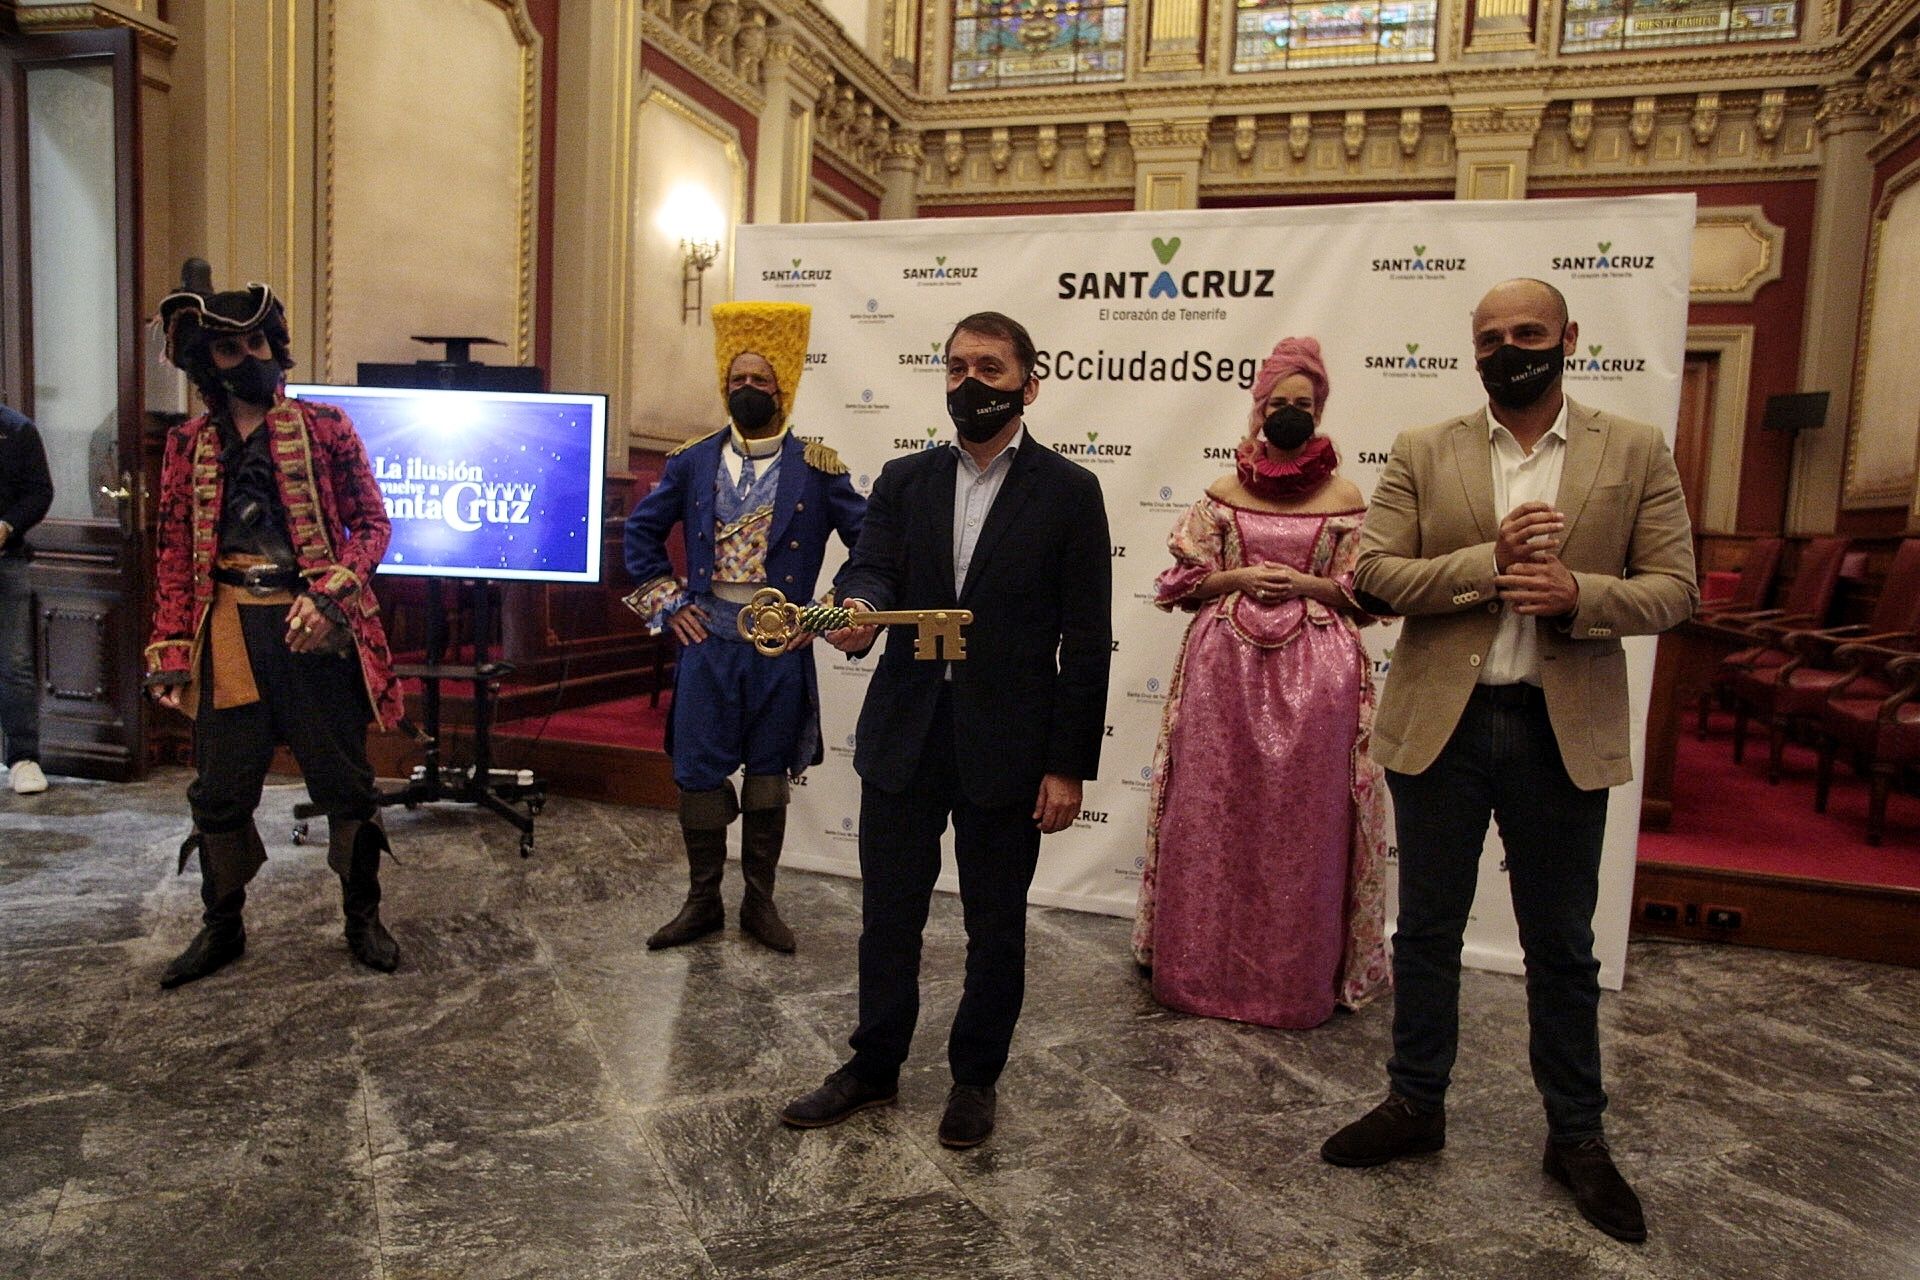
pixel 629 722
pixel 1726 816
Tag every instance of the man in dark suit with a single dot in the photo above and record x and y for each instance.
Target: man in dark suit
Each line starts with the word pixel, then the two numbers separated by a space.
pixel 999 524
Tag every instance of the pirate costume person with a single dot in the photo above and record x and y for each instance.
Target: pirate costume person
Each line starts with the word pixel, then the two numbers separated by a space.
pixel 265 629
pixel 756 505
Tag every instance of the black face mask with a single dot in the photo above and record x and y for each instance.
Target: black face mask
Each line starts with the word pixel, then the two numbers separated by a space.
pixel 1288 427
pixel 253 380
pixel 980 411
pixel 751 408
pixel 1516 377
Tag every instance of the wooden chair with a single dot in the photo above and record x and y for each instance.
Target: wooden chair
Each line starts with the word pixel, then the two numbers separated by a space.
pixel 1759 630
pixel 1873 713
pixel 1757 572
pixel 1798 689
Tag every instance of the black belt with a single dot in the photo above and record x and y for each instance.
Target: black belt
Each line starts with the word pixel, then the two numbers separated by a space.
pixel 1511 696
pixel 261 579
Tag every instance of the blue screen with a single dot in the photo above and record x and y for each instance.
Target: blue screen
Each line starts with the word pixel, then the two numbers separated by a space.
pixel 483 484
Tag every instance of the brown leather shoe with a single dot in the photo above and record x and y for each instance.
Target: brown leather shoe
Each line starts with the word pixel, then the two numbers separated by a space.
pixel 1391 1130
pixel 1599 1192
pixel 840 1095
pixel 968 1121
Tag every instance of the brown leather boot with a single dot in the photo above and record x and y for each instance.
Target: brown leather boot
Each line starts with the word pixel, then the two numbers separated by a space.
pixel 704 817
pixel 228 860
pixel 763 824
pixel 354 846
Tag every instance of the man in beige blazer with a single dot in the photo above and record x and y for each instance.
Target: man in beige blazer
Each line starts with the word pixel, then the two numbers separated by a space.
pixel 1520 542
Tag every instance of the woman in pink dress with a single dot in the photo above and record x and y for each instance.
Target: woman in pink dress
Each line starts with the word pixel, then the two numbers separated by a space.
pixel 1262 898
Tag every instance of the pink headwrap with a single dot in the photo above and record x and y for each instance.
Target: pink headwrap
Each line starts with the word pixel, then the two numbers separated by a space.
pixel 1290 356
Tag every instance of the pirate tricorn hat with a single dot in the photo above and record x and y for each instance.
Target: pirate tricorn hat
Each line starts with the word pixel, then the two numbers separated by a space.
pixel 194 314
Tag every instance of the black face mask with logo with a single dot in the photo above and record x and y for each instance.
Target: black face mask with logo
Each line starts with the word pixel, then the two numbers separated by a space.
pixel 980 412
pixel 254 380
pixel 751 408
pixel 1288 427
pixel 1516 377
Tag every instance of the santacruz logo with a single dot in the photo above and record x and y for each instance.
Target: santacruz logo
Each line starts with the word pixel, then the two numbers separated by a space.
pixel 1217 453
pixel 1244 282
pixel 932 360
pixel 913 444
pixel 1419 267
pixel 1413 364
pixel 1091 818
pixel 941 272
pixel 816 359
pixel 797 276
pixel 1604 265
pixel 1093 450
pixel 1595 365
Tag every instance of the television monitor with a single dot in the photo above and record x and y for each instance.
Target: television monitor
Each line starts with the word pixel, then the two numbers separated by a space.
pixel 490 485
pixel 1798 411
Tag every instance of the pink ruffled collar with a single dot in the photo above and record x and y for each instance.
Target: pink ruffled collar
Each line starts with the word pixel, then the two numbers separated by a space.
pixel 1286 479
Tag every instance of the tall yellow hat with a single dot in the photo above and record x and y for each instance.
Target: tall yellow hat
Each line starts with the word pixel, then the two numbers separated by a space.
pixel 775 330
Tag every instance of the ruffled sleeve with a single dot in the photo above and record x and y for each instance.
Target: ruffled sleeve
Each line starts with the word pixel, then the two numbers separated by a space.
pixel 1340 567
pixel 1198 549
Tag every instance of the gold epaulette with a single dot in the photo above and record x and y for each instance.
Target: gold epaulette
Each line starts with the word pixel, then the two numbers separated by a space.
pixel 821 457
pixel 680 449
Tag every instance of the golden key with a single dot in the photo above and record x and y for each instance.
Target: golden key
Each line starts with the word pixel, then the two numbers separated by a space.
pixel 771 621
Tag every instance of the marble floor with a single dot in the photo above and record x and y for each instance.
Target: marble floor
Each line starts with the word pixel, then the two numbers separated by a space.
pixel 535 1095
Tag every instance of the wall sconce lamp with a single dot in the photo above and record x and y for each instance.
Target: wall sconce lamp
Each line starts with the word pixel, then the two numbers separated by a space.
pixel 693 218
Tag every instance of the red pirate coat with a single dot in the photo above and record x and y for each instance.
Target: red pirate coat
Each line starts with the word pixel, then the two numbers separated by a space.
pixel 336 522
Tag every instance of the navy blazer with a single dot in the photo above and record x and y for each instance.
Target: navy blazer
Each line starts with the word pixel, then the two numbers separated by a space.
pixel 809 506
pixel 1031 696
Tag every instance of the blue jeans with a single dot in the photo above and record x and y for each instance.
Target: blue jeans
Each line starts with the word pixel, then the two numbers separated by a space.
pixel 1503 762
pixel 19 687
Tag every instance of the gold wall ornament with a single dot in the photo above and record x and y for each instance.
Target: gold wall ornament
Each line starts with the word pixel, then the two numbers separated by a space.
pixel 1770 115
pixel 1299 134
pixel 955 151
pixel 1705 120
pixel 1353 133
pixel 1411 125
pixel 1640 121
pixel 1580 124
pixel 1046 147
pixel 1246 136
pixel 1000 148
pixel 1096 145
pixel 772 623
pixel 1737 251
pixel 1880 467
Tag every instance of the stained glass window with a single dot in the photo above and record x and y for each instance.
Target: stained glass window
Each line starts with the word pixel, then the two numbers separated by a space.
pixel 1004 44
pixel 1272 34
pixel 1594 26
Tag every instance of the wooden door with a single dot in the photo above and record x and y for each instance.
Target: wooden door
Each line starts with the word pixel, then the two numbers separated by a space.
pixel 1693 438
pixel 70 359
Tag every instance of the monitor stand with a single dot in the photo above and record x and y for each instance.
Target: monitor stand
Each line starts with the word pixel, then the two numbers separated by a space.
pixel 476 784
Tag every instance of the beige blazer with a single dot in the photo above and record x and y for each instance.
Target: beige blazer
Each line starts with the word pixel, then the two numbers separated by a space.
pixel 1427 552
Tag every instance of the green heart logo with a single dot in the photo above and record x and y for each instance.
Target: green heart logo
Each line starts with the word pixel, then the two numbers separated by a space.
pixel 796 263
pixel 1412 347
pixel 1165 249
pixel 1419 251
pixel 1593 349
pixel 934 347
pixel 940 262
pixel 930 431
pixel 1092 436
pixel 1606 246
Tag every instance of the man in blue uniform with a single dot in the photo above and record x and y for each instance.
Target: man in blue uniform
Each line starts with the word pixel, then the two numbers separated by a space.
pixel 756 506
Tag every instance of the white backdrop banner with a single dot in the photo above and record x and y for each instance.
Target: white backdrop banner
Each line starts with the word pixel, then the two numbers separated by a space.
pixel 1150 327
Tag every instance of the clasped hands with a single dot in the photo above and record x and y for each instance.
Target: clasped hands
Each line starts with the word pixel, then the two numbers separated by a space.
pixel 1528 572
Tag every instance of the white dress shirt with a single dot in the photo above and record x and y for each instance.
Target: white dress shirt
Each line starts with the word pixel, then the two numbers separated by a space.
pixel 1519 476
